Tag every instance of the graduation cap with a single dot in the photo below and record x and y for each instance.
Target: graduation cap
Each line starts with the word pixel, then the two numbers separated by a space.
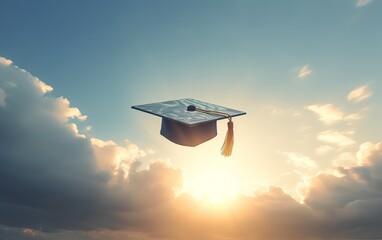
pixel 190 122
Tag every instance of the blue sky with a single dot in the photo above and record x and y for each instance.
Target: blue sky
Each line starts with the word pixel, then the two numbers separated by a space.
pixel 306 72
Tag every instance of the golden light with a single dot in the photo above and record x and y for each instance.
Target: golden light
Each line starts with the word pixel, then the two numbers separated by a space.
pixel 213 187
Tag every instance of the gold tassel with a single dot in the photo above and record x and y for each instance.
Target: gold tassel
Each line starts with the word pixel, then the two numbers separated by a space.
pixel 226 149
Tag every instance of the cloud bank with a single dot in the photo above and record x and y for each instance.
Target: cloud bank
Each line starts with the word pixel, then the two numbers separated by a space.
pixel 52 177
pixel 57 183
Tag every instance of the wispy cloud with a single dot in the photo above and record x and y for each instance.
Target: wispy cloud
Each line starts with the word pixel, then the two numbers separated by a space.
pixel 323 150
pixel 341 139
pixel 359 94
pixel 31 232
pixel 362 3
pixel 300 160
pixel 353 117
pixel 284 111
pixel 327 113
pixel 345 159
pixel 330 114
pixel 304 71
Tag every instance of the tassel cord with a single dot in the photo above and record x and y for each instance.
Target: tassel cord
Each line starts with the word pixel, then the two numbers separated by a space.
pixel 214 112
pixel 226 149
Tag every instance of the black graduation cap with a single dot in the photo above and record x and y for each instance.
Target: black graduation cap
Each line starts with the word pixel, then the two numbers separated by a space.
pixel 190 122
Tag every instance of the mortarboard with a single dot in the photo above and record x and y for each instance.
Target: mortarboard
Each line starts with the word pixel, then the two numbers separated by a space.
pixel 190 122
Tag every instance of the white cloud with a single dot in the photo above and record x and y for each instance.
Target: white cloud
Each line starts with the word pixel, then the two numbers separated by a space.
pixel 362 3
pixel 359 94
pixel 300 160
pixel 74 129
pixel 5 61
pixel 284 111
pixel 2 98
pixel 327 113
pixel 330 114
pixel 353 117
pixel 341 139
pixel 42 86
pixel 345 159
pixel 323 150
pixel 304 71
pixel 63 111
pixel 369 153
pixel 114 157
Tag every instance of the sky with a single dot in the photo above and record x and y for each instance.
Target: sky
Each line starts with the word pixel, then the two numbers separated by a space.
pixel 76 162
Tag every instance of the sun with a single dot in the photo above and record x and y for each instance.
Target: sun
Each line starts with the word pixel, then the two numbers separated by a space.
pixel 214 187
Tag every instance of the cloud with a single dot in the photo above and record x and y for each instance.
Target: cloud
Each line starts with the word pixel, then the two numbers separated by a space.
pixel 362 3
pixel 345 159
pixel 327 113
pixel 359 94
pixel 350 205
pixel 46 169
pixel 115 158
pixel 323 150
pixel 330 114
pixel 335 207
pixel 31 232
pixel 52 177
pixel 2 98
pixel 283 111
pixel 369 154
pixel 63 111
pixel 352 117
pixel 341 139
pixel 42 86
pixel 300 160
pixel 5 61
pixel 304 71
pixel 56 184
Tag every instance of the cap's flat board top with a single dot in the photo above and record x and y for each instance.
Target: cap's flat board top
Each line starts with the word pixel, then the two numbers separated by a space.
pixel 177 110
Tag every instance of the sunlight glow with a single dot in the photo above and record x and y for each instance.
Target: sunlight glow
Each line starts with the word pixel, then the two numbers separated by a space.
pixel 214 187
